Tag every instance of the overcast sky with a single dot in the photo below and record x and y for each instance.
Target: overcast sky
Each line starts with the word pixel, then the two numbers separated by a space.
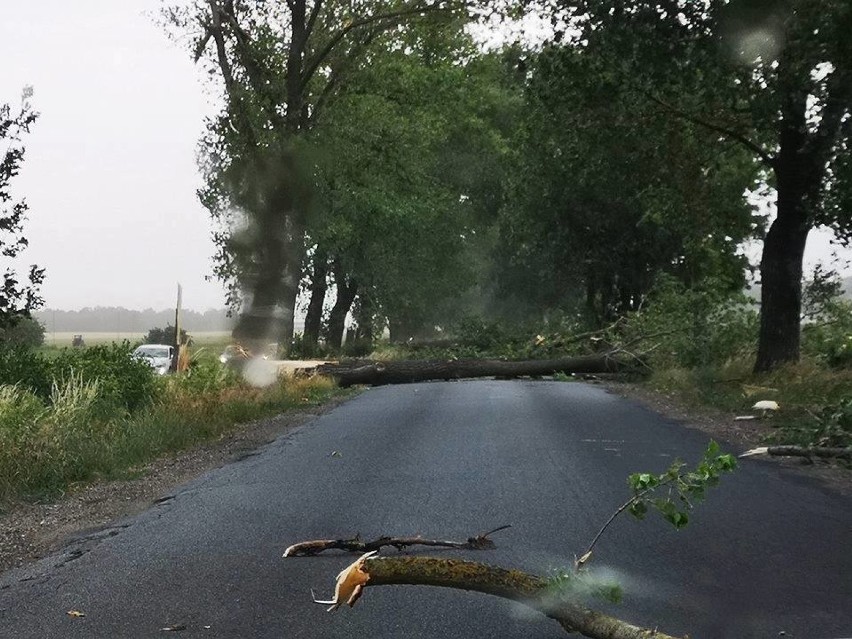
pixel 110 172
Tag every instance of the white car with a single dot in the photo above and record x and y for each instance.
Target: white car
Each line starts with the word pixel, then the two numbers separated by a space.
pixel 157 356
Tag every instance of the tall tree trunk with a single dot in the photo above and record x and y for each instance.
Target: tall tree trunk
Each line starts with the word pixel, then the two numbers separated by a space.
pixel 346 291
pixel 319 286
pixel 364 318
pixel 798 177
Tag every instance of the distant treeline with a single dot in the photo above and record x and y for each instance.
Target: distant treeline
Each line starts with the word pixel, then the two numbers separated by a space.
pixel 121 320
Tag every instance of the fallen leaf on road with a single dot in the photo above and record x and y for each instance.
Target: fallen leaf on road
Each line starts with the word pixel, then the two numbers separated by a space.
pixel 334 453
pixel 75 613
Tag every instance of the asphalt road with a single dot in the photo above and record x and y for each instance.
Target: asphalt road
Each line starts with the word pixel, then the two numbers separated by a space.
pixel 768 552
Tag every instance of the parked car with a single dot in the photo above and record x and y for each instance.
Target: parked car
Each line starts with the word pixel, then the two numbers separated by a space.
pixel 157 356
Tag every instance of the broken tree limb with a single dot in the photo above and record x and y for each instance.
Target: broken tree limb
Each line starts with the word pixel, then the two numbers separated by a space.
pixel 801 451
pixel 408 371
pixel 530 590
pixel 314 547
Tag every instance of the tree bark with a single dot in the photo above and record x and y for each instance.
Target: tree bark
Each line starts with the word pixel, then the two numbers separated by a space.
pixel 530 590
pixel 404 372
pixel 319 287
pixel 798 174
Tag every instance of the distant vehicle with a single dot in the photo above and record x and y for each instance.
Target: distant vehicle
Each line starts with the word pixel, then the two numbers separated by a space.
pixel 157 356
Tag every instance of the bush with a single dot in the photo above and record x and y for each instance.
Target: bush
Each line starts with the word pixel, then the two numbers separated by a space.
pixel 25 331
pixel 126 382
pixel 695 326
pixel 25 368
pixel 829 337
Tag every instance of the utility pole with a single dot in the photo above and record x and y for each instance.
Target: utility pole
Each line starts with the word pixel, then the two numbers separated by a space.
pixel 176 361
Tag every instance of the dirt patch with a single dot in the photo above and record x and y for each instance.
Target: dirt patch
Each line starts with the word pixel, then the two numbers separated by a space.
pixel 31 531
pixel 743 435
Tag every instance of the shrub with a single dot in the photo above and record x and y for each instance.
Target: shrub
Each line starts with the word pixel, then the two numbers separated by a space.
pixel 25 368
pixel 25 331
pixel 829 337
pixel 695 326
pixel 125 382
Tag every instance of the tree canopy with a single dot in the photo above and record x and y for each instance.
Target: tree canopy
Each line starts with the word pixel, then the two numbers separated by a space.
pixel 774 77
pixel 17 297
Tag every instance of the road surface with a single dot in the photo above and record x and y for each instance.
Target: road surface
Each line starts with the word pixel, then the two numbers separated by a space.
pixel 768 552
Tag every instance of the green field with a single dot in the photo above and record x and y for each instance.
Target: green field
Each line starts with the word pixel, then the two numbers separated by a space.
pixel 92 338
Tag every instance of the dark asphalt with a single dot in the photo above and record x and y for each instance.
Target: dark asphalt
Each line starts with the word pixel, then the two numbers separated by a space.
pixel 768 552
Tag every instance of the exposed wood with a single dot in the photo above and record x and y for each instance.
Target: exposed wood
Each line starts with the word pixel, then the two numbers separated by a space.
pixel 801 451
pixel 530 590
pixel 314 547
pixel 408 371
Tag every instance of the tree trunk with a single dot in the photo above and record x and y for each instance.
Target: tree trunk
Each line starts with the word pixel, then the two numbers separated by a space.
pixel 364 318
pixel 404 372
pixel 319 287
pixel 781 294
pixel 346 292
pixel 798 179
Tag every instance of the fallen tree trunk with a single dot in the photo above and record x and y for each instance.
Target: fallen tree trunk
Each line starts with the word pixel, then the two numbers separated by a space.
pixel 408 371
pixel 530 590
pixel 801 451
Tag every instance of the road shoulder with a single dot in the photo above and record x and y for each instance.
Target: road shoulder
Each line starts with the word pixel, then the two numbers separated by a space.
pixel 29 532
pixel 739 435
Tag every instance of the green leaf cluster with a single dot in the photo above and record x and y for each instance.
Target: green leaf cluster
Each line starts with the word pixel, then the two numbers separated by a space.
pixel 674 492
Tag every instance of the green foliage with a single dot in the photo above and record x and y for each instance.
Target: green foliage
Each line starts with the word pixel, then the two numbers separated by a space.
pixel 358 347
pixel 409 170
pixel 608 192
pixel 78 433
pixel 834 425
pixel 680 487
pixel 583 585
pixel 694 326
pixel 17 299
pixel 24 331
pixel 124 381
pixel 25 368
pixel 828 338
pixel 167 336
pixel 829 425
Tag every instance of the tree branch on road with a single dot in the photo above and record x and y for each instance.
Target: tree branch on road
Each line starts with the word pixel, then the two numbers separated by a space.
pixel 314 547
pixel 530 590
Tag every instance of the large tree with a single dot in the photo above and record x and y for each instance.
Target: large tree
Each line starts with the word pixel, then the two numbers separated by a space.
pixel 773 76
pixel 280 63
pixel 609 193
pixel 17 297
pixel 410 176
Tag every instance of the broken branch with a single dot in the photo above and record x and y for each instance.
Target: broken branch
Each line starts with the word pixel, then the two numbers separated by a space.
pixel 314 547
pixel 800 451
pixel 530 590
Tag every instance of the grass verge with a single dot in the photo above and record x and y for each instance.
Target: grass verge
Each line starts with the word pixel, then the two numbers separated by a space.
pixel 48 446
pixel 815 401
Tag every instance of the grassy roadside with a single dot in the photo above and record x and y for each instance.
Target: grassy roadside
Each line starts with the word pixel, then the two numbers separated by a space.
pixel 815 401
pixel 82 431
